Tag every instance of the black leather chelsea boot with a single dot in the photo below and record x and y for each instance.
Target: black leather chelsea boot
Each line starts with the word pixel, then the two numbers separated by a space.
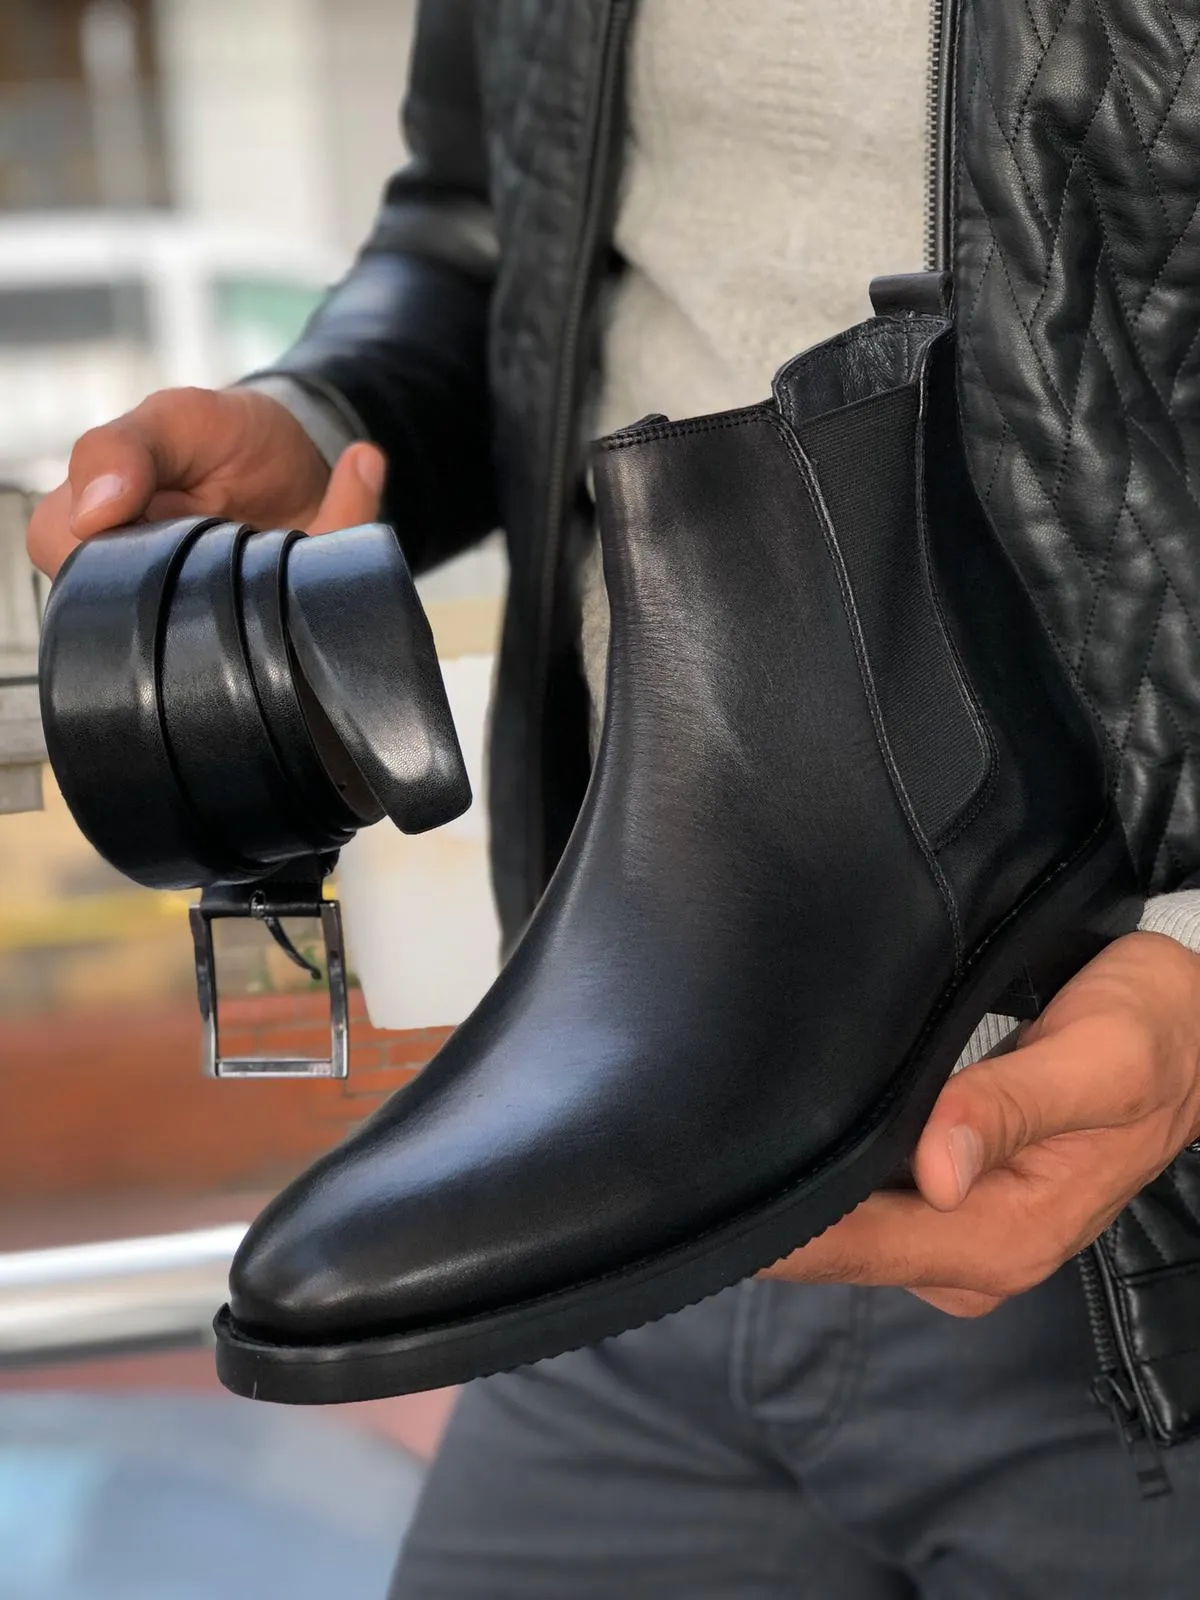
pixel 846 801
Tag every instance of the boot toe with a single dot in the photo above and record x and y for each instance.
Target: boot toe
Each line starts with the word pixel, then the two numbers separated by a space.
pixel 370 1241
pixel 283 1284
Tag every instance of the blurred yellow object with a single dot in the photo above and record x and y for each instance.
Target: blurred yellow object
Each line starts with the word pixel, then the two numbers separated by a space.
pixel 92 919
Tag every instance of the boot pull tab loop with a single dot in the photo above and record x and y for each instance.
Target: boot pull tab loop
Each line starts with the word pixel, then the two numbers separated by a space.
pixel 913 294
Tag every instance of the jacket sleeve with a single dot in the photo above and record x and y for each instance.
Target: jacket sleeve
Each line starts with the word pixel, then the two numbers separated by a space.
pixel 399 346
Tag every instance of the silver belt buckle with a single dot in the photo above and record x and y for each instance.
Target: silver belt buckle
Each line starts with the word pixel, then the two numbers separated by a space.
pixel 294 891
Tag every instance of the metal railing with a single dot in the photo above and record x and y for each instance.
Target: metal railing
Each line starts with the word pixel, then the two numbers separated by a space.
pixel 120 1297
pixel 22 590
pixel 22 593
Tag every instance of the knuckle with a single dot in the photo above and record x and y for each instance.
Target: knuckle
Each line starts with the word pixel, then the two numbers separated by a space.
pixel 1013 1121
pixel 96 448
pixel 89 441
pixel 165 404
pixel 152 417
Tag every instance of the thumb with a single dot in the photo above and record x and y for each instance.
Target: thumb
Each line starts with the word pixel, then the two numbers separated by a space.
pixel 988 1113
pixel 354 490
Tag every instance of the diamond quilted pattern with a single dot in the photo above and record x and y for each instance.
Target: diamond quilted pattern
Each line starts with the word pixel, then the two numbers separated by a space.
pixel 1078 270
pixel 1163 1228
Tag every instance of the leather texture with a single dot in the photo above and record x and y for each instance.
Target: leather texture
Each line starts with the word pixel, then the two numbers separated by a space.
pixel 1151 1262
pixel 680 1036
pixel 273 694
pixel 464 337
pixel 365 649
pixel 1078 278
pixel 1077 270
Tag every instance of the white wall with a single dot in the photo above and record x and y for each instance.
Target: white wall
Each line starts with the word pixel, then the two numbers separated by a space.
pixel 421 926
pixel 244 126
pixel 365 65
pixel 281 114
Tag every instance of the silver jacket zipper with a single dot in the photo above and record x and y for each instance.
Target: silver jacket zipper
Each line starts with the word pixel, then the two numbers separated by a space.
pixel 939 212
pixel 1116 1387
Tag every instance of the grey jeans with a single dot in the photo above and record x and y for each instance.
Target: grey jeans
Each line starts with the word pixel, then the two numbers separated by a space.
pixel 834 1443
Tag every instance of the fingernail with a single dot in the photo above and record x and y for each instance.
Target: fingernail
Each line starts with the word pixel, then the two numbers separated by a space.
pixel 372 469
pixel 966 1154
pixel 100 492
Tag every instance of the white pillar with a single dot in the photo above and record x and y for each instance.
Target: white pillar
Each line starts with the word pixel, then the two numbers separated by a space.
pixel 246 128
pixel 365 66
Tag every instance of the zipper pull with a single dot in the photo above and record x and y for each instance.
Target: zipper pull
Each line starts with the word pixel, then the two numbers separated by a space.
pixel 1147 1460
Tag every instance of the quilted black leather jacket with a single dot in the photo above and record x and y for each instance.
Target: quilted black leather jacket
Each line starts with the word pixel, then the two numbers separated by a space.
pixel 465 336
pixel 1076 235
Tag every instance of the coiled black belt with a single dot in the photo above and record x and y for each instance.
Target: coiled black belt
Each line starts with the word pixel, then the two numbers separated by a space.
pixel 225 708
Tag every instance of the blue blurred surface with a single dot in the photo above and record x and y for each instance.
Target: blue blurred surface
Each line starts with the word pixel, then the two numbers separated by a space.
pixel 178 1497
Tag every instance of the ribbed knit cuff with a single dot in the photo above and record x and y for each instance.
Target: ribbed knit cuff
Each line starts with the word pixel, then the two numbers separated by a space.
pixel 1176 915
pixel 995 1036
pixel 329 423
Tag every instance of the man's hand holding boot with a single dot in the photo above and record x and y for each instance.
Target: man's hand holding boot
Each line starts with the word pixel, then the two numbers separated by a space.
pixel 1027 1157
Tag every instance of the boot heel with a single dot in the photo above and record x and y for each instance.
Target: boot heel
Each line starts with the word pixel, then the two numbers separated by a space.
pixel 1064 944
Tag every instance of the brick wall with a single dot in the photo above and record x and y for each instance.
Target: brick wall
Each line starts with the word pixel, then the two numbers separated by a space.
pixel 112 1100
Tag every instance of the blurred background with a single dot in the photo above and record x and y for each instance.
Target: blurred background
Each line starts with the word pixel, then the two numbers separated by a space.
pixel 179 179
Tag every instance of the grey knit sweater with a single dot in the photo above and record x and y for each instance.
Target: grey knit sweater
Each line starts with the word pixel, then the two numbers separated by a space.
pixel 774 165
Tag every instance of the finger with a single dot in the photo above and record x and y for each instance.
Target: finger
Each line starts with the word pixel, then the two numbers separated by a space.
pixel 960 1302
pixel 48 538
pixel 176 439
pixel 354 492
pixel 893 1239
pixel 999 1243
pixel 113 472
pixel 1071 1081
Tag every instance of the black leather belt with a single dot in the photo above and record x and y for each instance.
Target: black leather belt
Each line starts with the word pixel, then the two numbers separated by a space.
pixel 224 709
